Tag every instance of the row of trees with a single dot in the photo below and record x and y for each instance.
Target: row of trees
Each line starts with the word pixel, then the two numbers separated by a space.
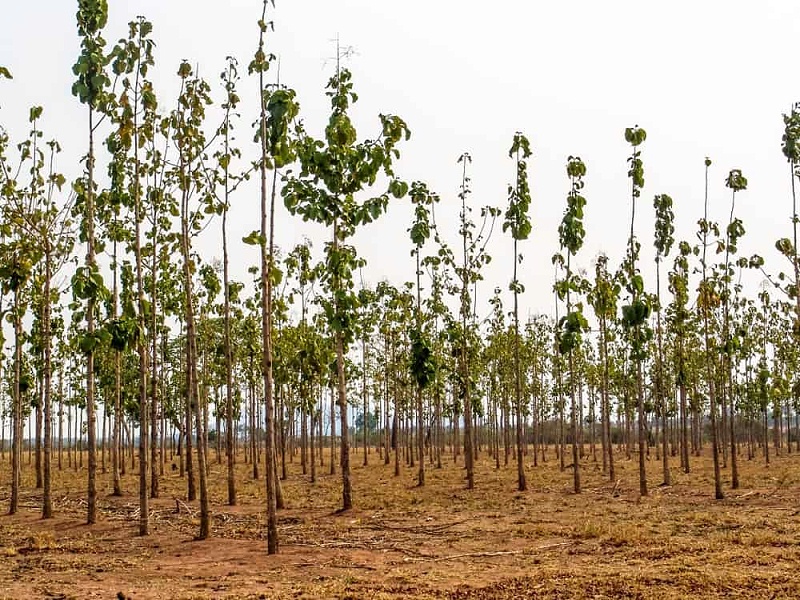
pixel 154 347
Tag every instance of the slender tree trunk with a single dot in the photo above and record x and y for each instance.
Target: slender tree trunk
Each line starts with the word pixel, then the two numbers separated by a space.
pixel 47 499
pixel 347 500
pixel 204 394
pixel 386 377
pixel 727 360
pixel 60 414
pixel 734 457
pixel 304 432
pixel 281 397
pixel 16 411
pixel 522 483
pixel 332 441
pixel 38 433
pixel 660 388
pixel 710 375
pixel 156 427
pixel 229 450
pixel 267 256
pixel 205 515
pixel 141 343
pixel 91 484
pixel 642 434
pixel 576 463
pixel 311 444
pixel 69 437
pixel 191 493
pixel 396 428
pixel 193 398
pixel 684 428
pixel 364 396
pixel 469 458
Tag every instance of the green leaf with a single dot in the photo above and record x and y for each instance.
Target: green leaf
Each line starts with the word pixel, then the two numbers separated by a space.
pixel 398 188
pixel 254 239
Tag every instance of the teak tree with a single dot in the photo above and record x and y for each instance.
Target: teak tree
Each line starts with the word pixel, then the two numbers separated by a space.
pixel 678 322
pixel 229 79
pixel 308 358
pixel 663 241
pixel 736 182
pixel 571 326
pixel 463 334
pixel 40 229
pixel 277 109
pixel 707 300
pixel 636 314
pixel 225 179
pixel 87 283
pixel 333 173
pixel 19 256
pixel 519 223
pixel 791 150
pixel 423 360
pixel 187 123
pixel 132 58
pixel 603 298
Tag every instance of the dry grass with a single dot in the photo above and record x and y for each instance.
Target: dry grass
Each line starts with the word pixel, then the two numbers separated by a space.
pixel 441 541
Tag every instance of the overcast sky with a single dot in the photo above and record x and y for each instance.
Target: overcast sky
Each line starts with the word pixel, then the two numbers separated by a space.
pixel 707 78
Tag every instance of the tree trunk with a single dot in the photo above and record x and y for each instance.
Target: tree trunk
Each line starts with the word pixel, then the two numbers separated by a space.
pixel 642 437
pixel 16 411
pixel 47 499
pixel 684 429
pixel 267 257
pixel 332 441
pixel 91 484
pixel 347 499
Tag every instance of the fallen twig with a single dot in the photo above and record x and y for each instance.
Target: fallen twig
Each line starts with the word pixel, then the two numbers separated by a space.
pixel 466 555
pixel 488 554
pixel 180 503
pixel 425 530
pixel 335 566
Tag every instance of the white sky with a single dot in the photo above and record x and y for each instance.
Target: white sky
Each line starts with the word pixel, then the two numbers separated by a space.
pixel 707 78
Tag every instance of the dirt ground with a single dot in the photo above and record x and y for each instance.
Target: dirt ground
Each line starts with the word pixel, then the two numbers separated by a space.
pixel 401 541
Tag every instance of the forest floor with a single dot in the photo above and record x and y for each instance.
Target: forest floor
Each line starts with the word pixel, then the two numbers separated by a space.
pixel 401 541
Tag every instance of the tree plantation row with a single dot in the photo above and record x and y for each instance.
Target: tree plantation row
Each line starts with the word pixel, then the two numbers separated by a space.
pixel 128 343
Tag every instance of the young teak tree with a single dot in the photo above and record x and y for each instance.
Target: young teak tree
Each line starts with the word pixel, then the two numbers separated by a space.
pixel 228 181
pixel 571 326
pixel 603 298
pixel 519 223
pixel 18 257
pixel 277 109
pixel 663 243
pixel 43 232
pixel 308 360
pixel 334 172
pixel 187 125
pixel 736 182
pixel 791 150
pixel 678 321
pixel 707 300
pixel 423 360
pixel 132 59
pixel 87 283
pixel 463 334
pixel 635 315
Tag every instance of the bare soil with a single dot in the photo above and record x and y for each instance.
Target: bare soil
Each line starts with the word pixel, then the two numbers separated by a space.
pixel 401 541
